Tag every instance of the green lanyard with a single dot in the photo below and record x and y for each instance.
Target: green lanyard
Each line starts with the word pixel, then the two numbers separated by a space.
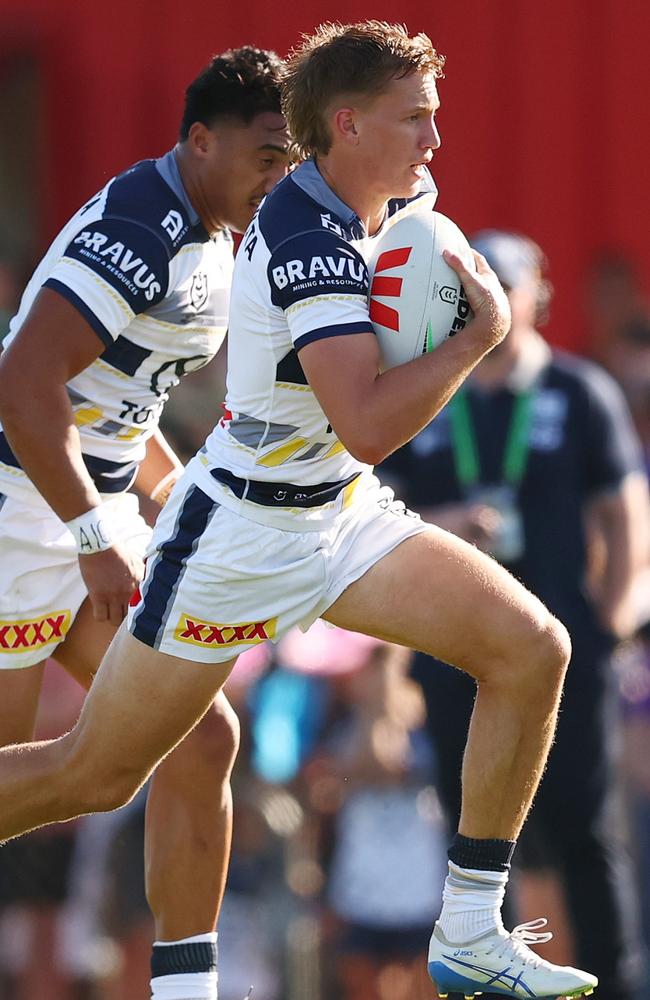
pixel 465 448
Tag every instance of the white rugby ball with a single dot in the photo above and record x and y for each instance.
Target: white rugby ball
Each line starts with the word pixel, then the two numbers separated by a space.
pixel 416 299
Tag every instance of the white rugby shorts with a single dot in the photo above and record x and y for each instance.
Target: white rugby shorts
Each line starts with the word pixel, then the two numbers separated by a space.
pixel 41 587
pixel 218 583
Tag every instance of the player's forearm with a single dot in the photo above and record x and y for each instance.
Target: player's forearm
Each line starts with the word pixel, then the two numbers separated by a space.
pixel 39 424
pixel 403 400
pixel 160 467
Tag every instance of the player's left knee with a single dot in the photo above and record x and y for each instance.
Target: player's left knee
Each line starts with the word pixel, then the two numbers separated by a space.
pixel 207 753
pixel 219 734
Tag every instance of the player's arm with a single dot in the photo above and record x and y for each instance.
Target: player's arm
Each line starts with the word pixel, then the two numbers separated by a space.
pixel 53 345
pixel 373 414
pixel 159 470
pixel 619 520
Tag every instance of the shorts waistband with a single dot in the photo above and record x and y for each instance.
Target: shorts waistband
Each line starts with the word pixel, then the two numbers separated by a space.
pixel 281 494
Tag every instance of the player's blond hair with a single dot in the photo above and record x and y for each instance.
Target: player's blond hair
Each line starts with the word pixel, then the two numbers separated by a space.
pixel 346 59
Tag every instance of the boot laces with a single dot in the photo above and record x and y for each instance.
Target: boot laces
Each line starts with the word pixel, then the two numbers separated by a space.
pixel 515 944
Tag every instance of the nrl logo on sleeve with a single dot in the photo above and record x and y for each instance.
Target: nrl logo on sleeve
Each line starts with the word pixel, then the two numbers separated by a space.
pixel 201 633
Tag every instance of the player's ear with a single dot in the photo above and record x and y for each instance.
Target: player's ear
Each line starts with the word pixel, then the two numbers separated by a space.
pixel 200 138
pixel 345 125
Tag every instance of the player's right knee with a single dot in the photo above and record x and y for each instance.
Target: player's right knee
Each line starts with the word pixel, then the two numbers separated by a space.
pixel 546 655
pixel 552 646
pixel 535 656
pixel 561 642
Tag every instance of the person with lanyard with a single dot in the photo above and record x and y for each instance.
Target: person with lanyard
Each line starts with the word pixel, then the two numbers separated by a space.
pixel 501 497
pixel 533 461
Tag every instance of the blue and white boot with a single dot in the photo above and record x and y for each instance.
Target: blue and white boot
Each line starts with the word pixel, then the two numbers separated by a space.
pixel 501 962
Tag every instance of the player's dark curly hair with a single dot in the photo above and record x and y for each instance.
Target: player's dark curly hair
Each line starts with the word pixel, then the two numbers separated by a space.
pixel 346 59
pixel 239 83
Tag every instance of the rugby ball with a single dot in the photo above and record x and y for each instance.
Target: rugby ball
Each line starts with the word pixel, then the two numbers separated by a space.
pixel 416 299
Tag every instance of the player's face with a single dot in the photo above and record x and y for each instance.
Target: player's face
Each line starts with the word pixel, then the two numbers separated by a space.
pixel 398 135
pixel 247 162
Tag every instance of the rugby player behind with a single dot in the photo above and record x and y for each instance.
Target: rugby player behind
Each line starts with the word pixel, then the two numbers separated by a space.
pixel 132 294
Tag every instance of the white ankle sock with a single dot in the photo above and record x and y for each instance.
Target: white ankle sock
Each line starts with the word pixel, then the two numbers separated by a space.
pixel 471 903
pixel 185 985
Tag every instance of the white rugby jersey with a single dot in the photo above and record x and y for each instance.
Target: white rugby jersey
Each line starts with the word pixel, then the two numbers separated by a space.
pixel 300 276
pixel 154 286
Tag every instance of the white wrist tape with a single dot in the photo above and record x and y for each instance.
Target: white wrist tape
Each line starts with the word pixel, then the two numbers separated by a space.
pixel 92 531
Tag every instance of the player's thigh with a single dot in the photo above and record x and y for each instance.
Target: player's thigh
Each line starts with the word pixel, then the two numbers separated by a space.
pixel 141 704
pixel 85 645
pixel 437 594
pixel 19 693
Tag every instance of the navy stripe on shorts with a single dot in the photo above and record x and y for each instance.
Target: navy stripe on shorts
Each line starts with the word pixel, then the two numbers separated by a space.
pixel 169 565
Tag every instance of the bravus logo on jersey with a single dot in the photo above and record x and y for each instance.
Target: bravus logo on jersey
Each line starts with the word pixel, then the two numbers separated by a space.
pixel 345 267
pixel 119 259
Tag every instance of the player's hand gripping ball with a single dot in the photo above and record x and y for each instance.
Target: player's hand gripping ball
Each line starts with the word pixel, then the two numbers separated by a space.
pixel 416 299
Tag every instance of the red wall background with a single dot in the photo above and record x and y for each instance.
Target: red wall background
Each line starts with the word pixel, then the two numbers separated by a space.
pixel 544 120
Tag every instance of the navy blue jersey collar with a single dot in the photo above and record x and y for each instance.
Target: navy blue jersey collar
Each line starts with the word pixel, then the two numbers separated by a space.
pixel 168 170
pixel 308 177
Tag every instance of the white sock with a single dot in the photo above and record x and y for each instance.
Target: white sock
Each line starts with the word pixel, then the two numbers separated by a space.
pixel 179 985
pixel 471 903
pixel 185 986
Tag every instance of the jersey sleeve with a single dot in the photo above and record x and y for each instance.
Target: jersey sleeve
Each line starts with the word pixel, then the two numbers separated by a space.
pixel 613 449
pixel 321 283
pixel 111 272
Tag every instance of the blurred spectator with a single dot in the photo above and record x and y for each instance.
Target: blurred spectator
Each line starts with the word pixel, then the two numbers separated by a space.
pixel 619 326
pixel 618 317
pixel 387 855
pixel 633 668
pixel 537 462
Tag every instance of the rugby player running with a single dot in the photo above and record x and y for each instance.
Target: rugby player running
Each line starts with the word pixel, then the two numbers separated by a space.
pixel 279 520
pixel 132 294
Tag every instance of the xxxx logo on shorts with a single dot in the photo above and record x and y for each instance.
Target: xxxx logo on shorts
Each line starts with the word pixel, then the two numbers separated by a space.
pixel 18 636
pixel 201 633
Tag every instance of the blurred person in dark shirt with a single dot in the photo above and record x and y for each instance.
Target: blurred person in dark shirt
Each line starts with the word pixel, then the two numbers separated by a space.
pixel 536 461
